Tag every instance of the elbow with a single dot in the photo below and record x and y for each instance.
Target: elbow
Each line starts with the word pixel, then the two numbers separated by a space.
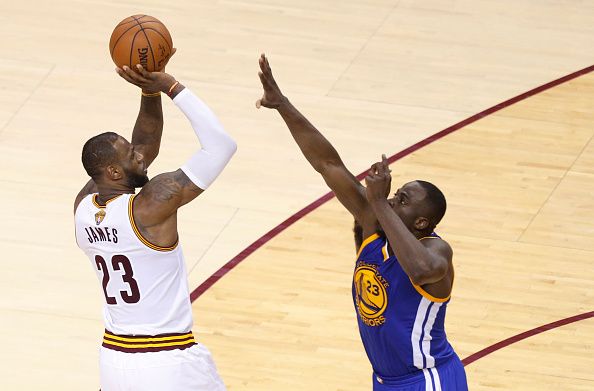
pixel 225 147
pixel 325 165
pixel 228 148
pixel 232 146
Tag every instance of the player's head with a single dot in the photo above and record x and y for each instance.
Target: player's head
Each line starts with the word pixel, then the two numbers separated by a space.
pixel 110 158
pixel 420 205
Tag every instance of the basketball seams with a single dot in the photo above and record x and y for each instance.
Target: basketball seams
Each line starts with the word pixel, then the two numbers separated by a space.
pixel 168 39
pixel 120 37
pixel 162 36
pixel 148 41
pixel 132 46
pixel 123 22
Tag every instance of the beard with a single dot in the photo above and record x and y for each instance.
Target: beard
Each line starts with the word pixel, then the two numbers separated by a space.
pixel 136 180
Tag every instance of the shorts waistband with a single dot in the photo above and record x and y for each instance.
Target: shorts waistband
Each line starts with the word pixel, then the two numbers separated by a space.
pixel 147 343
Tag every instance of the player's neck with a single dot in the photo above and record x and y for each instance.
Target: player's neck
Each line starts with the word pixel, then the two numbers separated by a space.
pixel 422 234
pixel 107 192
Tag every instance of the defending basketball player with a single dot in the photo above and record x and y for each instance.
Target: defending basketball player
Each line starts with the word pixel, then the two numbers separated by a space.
pixel 403 273
pixel 132 242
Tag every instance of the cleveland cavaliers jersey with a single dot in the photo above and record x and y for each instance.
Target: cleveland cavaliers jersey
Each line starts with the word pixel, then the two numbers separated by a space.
pixel 145 286
pixel 401 325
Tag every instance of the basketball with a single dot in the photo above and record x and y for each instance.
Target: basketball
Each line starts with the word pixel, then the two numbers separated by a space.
pixel 141 39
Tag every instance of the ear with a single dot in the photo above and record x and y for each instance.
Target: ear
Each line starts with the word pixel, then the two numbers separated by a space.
pixel 114 172
pixel 421 223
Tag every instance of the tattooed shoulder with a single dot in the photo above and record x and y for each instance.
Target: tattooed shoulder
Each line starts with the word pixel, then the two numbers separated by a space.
pixel 165 187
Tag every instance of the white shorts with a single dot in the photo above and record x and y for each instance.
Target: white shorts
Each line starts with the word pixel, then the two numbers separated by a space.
pixel 190 369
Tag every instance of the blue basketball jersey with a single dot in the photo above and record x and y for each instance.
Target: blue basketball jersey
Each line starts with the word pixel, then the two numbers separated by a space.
pixel 401 325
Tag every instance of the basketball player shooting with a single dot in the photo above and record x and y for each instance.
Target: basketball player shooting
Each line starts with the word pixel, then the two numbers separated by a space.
pixel 132 242
pixel 403 273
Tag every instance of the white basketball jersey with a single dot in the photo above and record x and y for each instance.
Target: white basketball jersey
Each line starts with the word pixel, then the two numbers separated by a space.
pixel 145 286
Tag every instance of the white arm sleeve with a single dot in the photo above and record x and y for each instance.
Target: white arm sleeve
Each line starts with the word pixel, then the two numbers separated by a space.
pixel 217 146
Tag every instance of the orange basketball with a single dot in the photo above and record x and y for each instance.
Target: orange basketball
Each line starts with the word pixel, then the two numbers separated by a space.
pixel 141 39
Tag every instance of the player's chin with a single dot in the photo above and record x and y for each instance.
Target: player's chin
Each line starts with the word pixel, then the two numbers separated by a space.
pixel 138 180
pixel 143 181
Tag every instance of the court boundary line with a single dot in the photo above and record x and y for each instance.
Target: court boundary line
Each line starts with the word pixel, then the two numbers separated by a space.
pixel 230 265
pixel 526 334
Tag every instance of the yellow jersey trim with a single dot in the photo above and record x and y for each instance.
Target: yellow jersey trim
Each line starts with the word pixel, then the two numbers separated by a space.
pixel 152 345
pixel 423 292
pixel 427 295
pixel 139 235
pixel 366 242
pixel 385 252
pixel 150 339
pixel 94 199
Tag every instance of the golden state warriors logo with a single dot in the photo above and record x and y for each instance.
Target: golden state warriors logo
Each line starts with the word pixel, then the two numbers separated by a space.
pixel 371 295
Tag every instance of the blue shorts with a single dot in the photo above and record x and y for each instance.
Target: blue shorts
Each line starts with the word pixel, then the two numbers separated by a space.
pixel 449 376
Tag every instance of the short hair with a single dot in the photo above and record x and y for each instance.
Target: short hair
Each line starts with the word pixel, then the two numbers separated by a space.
pixel 436 201
pixel 99 152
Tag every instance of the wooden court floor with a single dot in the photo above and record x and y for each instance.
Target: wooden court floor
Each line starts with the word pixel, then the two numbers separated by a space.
pixel 377 76
pixel 520 184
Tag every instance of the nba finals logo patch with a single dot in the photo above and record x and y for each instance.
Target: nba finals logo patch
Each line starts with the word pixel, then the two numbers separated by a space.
pixel 99 216
pixel 371 295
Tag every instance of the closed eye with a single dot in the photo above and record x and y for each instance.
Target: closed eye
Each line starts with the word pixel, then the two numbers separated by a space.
pixel 402 199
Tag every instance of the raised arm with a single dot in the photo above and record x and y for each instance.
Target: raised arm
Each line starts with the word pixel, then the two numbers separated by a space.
pixel 315 147
pixel 148 129
pixel 157 203
pixel 424 261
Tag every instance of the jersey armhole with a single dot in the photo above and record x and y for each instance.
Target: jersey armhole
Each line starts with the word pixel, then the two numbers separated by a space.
pixel 427 295
pixel 139 235
pixel 422 291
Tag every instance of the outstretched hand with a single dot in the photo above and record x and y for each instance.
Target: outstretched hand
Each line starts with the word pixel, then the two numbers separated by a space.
pixel 378 181
pixel 273 96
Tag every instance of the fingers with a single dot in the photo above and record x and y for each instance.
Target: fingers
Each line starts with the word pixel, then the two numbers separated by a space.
pixel 172 52
pixel 384 163
pixel 267 82
pixel 370 178
pixel 374 168
pixel 264 65
pixel 146 74
pixel 125 75
pixel 258 103
pixel 380 169
pixel 383 166
pixel 132 76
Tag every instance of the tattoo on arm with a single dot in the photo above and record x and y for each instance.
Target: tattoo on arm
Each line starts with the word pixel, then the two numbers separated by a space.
pixel 175 188
pixel 149 127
